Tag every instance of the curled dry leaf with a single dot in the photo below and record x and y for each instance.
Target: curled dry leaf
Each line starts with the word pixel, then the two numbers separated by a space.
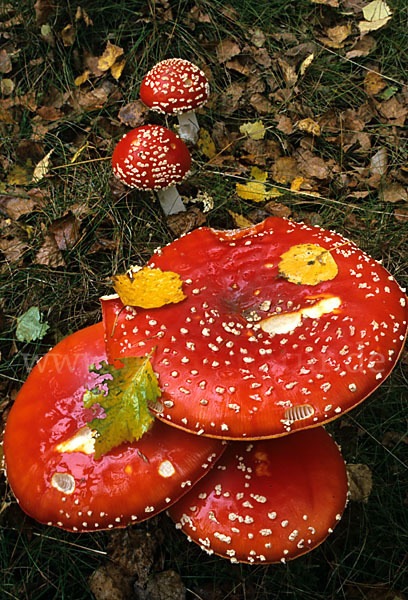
pixel 309 125
pixel 49 254
pixel 133 114
pixel 183 222
pixel 226 49
pixel 360 482
pixel 65 231
pixel 68 35
pixel 363 47
pixel 42 167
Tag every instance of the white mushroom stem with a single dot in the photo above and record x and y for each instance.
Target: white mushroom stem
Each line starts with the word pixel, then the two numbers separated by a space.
pixel 188 127
pixel 170 200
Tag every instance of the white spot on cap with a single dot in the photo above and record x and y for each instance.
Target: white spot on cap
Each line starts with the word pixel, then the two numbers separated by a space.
pixel 166 469
pixel 63 482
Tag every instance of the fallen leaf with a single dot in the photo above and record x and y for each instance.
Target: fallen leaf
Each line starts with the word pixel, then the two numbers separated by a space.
pixel 49 254
pixel 306 63
pixel 109 57
pixel 5 62
pixel 30 327
pixel 258 38
pixel 284 124
pixel 309 125
pixel 7 86
pixel 394 192
pixel 394 111
pixel 65 231
pixel 185 221
pixel 363 47
pixel 43 9
pixel 392 438
pixel 296 184
pixel 16 207
pixel 68 35
pixel 133 114
pixel 376 15
pixel 254 130
pixel 205 144
pixel 261 104
pixel 307 264
pixel 230 98
pixel 333 3
pixel 373 83
pixel 82 14
pixel 277 209
pixel 82 78
pixel 285 170
pixel 237 65
pixel 226 49
pixel 401 215
pixel 12 248
pixel 360 481
pixel 288 71
pixel 148 288
pixel 117 68
pixel 379 162
pixel 50 113
pixel 240 221
pixel 41 169
pixel 127 416
pixel 19 175
pixel 312 165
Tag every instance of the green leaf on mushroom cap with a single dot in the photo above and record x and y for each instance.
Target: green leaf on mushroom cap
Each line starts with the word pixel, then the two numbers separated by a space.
pixel 127 415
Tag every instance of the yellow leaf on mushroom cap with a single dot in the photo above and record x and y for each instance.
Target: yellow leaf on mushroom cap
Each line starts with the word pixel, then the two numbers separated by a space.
pixel 307 264
pixel 148 288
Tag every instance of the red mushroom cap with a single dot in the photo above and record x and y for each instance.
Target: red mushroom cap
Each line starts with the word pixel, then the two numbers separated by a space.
pixel 151 157
pixel 49 451
pixel 248 353
pixel 174 86
pixel 267 501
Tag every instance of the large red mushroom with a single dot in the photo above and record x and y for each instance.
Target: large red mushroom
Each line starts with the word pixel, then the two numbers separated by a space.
pixel 49 450
pixel 152 157
pixel 285 326
pixel 267 501
pixel 177 86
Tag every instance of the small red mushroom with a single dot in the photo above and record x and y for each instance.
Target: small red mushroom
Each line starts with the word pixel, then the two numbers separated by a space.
pixel 48 450
pixel 177 86
pixel 267 501
pixel 250 353
pixel 152 157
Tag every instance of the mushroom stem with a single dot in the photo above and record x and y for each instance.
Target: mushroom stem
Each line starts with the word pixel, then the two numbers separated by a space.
pixel 170 200
pixel 188 127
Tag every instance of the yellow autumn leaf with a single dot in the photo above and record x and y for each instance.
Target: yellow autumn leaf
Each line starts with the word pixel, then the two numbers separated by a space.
pixel 296 184
pixel 255 130
pixel 41 169
pixel 240 221
pixel 307 264
pixel 306 63
pixel 82 78
pixel 205 144
pixel 376 15
pixel 109 57
pixel 148 288
pixel 117 68
pixel 309 125
pixel 19 175
pixel 259 175
pixel 254 190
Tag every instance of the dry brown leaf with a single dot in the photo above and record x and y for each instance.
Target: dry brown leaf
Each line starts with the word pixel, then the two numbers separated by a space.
pixel 226 49
pixel 43 9
pixel 394 192
pixel 13 248
pixel 230 98
pixel 109 57
pixel 185 221
pixel 394 111
pixel 363 47
pixel 41 169
pixel 277 209
pixel 312 165
pixel 237 65
pixel 68 35
pixel 91 100
pixel 65 231
pixel 5 62
pixel 50 113
pixel 401 215
pixel 285 124
pixel 309 125
pixel 360 482
pixel 260 104
pixel 133 114
pixel 373 83
pixel 288 71
pixel 285 170
pixel 16 207
pixel 339 33
pixel 391 438
pixel 82 14
pixel 261 56
pixel 49 254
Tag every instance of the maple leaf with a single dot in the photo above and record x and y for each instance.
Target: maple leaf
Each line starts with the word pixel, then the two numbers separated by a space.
pixel 127 416
pixel 307 264
pixel 148 288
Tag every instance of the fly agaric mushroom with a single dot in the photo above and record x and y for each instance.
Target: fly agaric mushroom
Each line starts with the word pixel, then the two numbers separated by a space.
pixel 49 450
pixel 284 326
pixel 269 501
pixel 177 86
pixel 152 157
